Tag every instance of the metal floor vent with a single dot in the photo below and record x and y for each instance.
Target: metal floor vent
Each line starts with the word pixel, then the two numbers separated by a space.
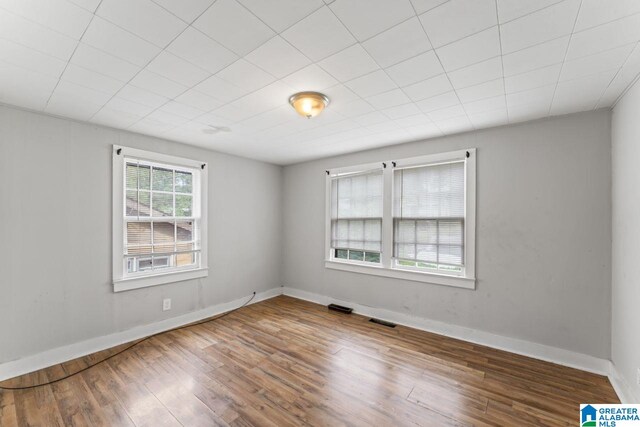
pixel 383 323
pixel 340 308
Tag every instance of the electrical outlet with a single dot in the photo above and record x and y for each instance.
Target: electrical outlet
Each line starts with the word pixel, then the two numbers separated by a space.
pixel 638 377
pixel 166 304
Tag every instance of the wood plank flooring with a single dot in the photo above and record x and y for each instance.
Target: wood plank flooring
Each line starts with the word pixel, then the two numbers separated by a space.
pixel 287 362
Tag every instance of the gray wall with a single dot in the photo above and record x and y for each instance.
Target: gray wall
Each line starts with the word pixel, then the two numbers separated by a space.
pixel 543 235
pixel 625 144
pixel 55 234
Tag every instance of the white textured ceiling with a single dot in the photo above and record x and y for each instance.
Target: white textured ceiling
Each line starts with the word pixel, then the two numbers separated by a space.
pixel 395 70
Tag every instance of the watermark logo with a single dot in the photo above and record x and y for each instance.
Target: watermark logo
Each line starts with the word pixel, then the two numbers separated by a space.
pixel 592 415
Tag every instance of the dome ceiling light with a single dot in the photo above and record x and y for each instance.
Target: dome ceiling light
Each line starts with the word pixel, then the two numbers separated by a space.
pixel 308 104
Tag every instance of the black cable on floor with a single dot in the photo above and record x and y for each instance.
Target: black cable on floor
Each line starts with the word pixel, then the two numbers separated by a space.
pixel 130 347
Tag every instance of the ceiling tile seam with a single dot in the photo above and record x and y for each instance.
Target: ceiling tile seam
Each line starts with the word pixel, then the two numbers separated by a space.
pixel 614 78
pixel 134 34
pixel 566 51
pixel 151 60
pixel 268 72
pixel 46 105
pixel 624 92
pixel 445 72
pixel 607 22
pixel 258 66
pixel 435 7
pixel 82 7
pixel 571 60
pixel 464 38
pixel 15 64
pixel 504 83
pixel 369 73
pixel 42 25
pixel 269 26
pixel 532 12
pixel 145 68
pixel 176 16
pixel 385 30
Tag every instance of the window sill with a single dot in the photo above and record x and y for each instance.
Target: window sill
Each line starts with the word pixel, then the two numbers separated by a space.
pixel 417 276
pixel 158 279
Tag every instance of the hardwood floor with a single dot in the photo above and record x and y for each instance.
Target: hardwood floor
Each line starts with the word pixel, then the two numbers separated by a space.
pixel 287 362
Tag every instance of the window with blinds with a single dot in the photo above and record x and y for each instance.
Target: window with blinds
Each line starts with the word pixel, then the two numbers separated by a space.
pixel 356 216
pixel 161 218
pixel 411 218
pixel 429 216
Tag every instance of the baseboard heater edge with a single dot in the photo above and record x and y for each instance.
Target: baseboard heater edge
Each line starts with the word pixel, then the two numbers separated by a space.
pixel 382 322
pixel 340 308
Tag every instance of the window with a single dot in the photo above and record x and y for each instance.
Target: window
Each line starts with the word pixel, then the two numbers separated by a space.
pixel 159 219
pixel 411 218
pixel 356 219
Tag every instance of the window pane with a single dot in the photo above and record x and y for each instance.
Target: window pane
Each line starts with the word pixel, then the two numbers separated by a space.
pixel 144 203
pixel 450 255
pixel 427 232
pixel 373 235
pixel 184 205
pixel 162 204
pixel 161 262
pixel 132 176
pixel 405 251
pixel 450 232
pixel 184 182
pixel 357 255
pixel 162 179
pixel 372 256
pixel 427 265
pixel 131 203
pixel 145 264
pixel 405 231
pixel 138 250
pixel 185 259
pixel 138 233
pixel 435 191
pixel 144 177
pixel 163 237
pixel 184 231
pixel 427 253
pixel 131 265
pixel 356 211
pixel 184 247
pixel 342 254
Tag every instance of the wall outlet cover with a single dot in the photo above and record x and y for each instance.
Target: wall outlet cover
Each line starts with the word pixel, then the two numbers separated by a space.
pixel 166 304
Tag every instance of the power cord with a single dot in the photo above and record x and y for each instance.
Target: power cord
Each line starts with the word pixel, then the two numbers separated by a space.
pixel 130 347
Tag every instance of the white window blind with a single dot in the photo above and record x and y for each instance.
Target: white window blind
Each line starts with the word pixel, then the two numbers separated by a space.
pixel 161 218
pixel 356 216
pixel 428 216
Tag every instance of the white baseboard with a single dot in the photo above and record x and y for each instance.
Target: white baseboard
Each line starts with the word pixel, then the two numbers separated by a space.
pixel 539 351
pixel 526 348
pixel 620 385
pixel 62 354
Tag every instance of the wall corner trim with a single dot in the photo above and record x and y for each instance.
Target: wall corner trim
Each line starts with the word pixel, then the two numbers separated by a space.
pixel 525 348
pixel 620 385
pixel 54 356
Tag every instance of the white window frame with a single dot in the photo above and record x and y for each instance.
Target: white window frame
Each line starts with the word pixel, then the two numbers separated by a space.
pixel 122 282
pixel 465 279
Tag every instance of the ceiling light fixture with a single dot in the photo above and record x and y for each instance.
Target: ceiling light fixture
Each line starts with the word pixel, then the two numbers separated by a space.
pixel 308 104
